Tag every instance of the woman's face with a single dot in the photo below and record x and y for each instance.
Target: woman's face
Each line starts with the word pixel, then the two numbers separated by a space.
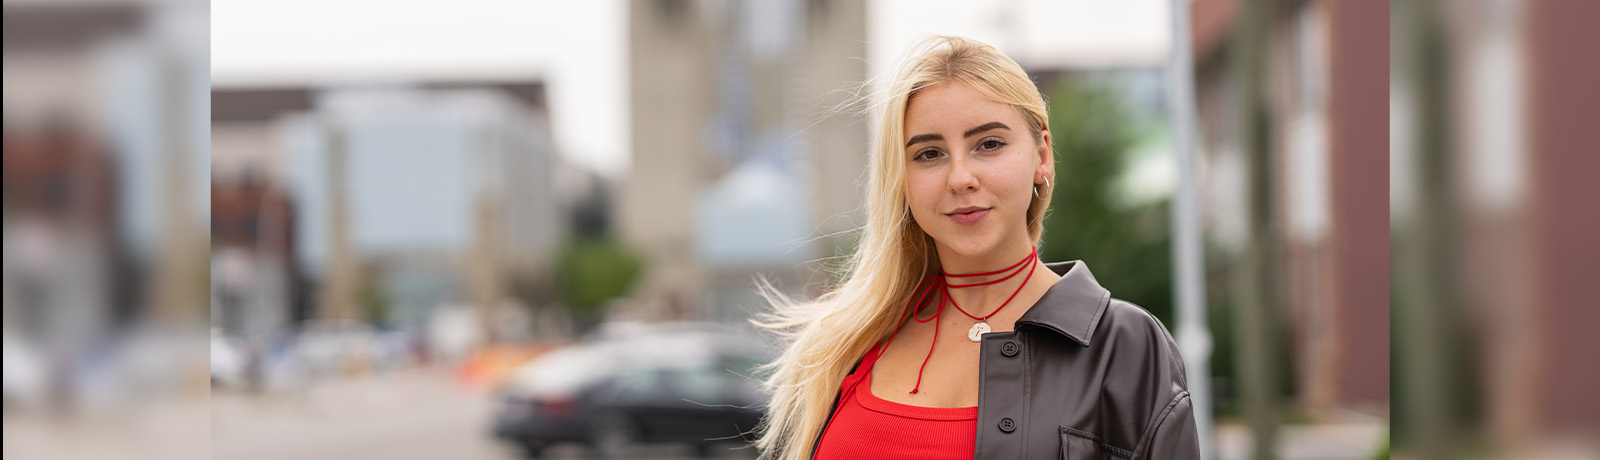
pixel 971 165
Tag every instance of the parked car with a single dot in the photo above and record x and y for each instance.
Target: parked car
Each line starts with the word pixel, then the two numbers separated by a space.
pixel 678 386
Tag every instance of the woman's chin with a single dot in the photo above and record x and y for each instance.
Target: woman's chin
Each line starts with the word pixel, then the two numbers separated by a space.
pixel 970 247
pixel 975 245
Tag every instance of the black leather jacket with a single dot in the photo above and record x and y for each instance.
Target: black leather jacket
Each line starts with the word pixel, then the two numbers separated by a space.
pixel 1083 376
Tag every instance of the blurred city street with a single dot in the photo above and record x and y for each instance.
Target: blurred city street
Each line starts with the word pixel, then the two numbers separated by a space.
pixel 496 229
pixel 418 414
pixel 415 414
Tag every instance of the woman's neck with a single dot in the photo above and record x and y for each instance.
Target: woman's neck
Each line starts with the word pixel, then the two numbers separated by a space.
pixel 1001 257
pixel 983 299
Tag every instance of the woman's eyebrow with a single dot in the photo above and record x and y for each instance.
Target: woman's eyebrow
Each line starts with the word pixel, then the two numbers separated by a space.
pixel 924 138
pixel 971 132
pixel 985 127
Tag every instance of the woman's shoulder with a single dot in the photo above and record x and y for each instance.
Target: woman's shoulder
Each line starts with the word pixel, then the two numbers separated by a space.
pixel 1124 320
pixel 1129 330
pixel 1085 312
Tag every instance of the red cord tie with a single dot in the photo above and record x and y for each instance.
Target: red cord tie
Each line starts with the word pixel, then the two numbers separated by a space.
pixel 933 283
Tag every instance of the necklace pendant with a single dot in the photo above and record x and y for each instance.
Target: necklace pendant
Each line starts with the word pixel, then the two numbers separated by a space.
pixel 978 330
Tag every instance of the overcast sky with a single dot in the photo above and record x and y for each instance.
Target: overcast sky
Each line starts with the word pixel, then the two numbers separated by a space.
pixel 578 48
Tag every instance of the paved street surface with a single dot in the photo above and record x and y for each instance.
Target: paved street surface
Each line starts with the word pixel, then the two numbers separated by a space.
pixel 420 414
pixel 1355 440
pixel 166 428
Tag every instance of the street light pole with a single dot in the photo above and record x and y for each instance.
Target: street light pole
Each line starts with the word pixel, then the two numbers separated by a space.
pixel 1194 339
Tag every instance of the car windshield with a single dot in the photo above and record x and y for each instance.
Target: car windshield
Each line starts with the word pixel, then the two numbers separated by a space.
pixel 560 370
pixel 570 368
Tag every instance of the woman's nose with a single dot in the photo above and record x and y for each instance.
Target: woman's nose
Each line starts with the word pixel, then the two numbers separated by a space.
pixel 961 175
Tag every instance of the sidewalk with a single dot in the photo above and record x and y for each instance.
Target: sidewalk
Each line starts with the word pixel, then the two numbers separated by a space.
pixel 1348 441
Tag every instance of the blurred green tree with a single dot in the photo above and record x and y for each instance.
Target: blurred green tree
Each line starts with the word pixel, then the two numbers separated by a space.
pixel 592 270
pixel 376 305
pixel 1127 245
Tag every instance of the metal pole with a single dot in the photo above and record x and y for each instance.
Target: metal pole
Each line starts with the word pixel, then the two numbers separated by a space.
pixel 1194 339
pixel 1255 315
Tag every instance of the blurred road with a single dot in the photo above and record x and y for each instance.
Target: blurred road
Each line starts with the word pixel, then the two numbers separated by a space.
pixel 417 414
pixel 1355 439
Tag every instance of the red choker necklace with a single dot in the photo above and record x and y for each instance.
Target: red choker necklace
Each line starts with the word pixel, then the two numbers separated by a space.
pixel 937 284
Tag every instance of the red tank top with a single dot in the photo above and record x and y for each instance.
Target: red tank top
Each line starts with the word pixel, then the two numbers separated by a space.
pixel 866 426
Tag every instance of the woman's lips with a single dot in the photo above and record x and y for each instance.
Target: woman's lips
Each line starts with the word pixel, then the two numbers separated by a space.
pixel 968 217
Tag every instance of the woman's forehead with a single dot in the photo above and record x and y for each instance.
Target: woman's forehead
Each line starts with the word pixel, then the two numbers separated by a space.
pixel 955 107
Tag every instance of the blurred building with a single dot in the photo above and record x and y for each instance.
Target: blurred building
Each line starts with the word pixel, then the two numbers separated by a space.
pixel 104 228
pixel 736 165
pixel 1331 284
pixel 104 166
pixel 254 280
pixel 406 197
pixel 257 292
pixel 61 239
pixel 1492 152
pixel 1560 97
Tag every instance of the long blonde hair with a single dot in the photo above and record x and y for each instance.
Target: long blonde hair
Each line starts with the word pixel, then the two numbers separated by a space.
pixel 826 336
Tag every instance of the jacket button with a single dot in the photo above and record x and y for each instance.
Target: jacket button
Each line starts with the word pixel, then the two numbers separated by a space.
pixel 1009 349
pixel 1007 425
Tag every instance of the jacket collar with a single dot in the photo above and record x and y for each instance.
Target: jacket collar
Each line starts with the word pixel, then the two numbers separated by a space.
pixel 1073 306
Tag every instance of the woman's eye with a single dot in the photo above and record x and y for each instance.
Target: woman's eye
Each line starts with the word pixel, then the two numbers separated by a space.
pixel 992 144
pixel 926 155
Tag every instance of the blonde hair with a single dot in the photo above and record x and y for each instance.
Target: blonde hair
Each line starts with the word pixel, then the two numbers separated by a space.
pixel 825 337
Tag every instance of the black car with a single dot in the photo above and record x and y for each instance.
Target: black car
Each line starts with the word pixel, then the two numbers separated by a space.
pixel 681 385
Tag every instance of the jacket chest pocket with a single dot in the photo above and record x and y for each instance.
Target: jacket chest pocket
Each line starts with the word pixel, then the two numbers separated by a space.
pixel 1082 445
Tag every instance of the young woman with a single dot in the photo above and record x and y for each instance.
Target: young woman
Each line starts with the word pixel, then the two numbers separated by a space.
pixel 950 338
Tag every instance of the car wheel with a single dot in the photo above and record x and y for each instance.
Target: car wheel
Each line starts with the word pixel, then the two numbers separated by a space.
pixel 703 450
pixel 614 437
pixel 532 449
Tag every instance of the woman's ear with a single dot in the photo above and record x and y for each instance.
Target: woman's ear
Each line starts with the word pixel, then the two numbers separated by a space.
pixel 1047 158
